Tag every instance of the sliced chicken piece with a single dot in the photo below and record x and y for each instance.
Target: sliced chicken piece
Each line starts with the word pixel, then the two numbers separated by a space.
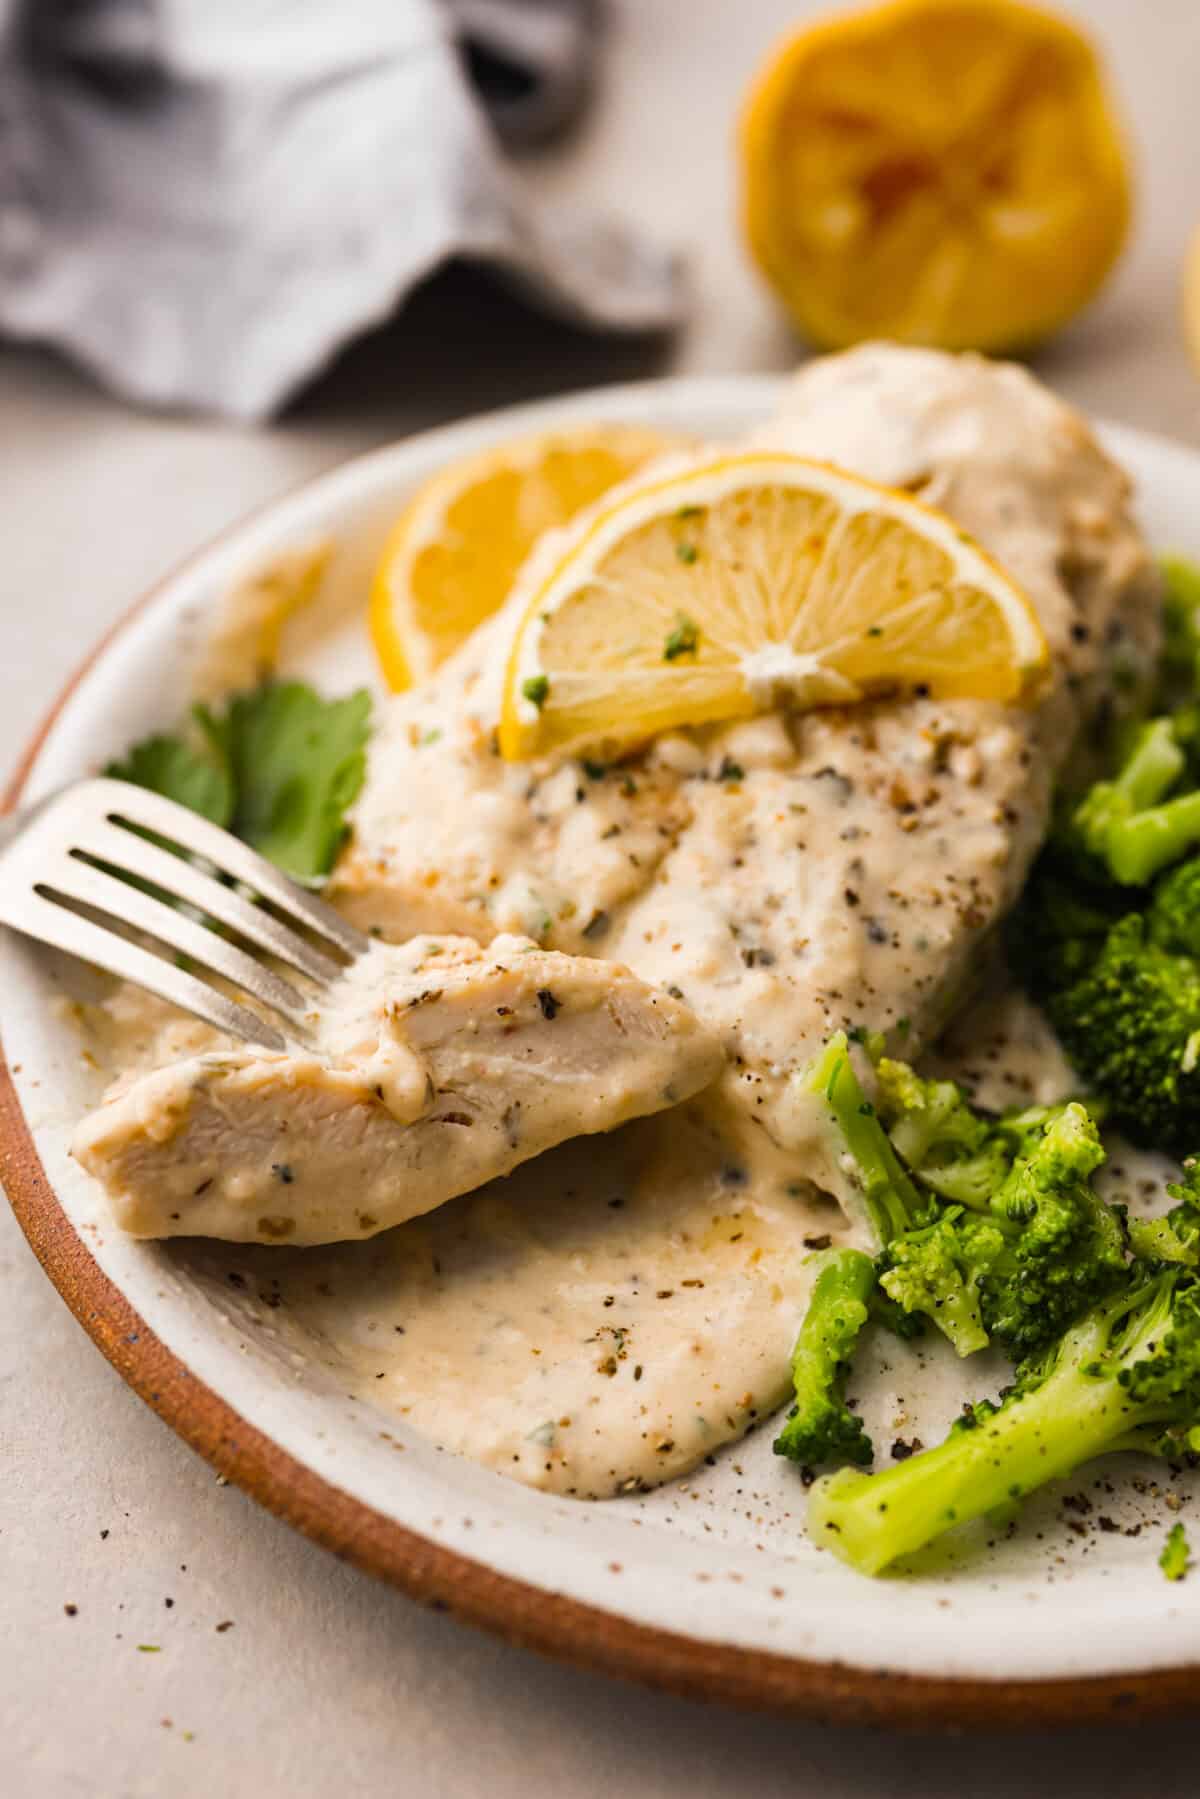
pixel 435 1066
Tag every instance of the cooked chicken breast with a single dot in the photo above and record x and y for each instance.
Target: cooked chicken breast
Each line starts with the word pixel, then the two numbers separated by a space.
pixel 435 1067
pixel 803 872
pixel 617 1310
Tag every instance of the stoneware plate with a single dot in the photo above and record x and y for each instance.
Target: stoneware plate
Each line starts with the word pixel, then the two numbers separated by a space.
pixel 707 1587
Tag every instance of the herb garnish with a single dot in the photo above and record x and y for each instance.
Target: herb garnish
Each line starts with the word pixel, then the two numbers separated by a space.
pixel 1176 1557
pixel 279 767
pixel 684 640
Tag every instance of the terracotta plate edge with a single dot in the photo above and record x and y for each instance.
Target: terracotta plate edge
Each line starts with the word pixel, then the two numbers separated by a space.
pixel 550 1623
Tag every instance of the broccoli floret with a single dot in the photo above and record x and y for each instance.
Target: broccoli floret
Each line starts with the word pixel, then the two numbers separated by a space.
pixel 1047 1249
pixel 820 1426
pixel 1057 931
pixel 962 1155
pixel 949 1147
pixel 921 1268
pixel 936 1270
pixel 1063 1246
pixel 1127 1375
pixel 1131 1026
pixel 1179 665
pixel 1175 1238
pixel 1128 825
pixel 1173 916
pixel 892 1202
pixel 1038 1245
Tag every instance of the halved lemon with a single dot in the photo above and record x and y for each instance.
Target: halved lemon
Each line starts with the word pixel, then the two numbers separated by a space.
pixel 452 554
pixel 724 585
pixel 1191 299
pixel 945 172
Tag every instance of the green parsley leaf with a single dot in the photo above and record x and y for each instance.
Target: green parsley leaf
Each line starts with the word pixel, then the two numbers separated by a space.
pixel 297 763
pixel 1176 1557
pixel 536 689
pixel 684 640
pixel 279 767
pixel 196 778
pixel 687 553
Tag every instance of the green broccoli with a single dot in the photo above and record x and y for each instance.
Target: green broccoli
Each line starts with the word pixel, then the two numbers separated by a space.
pixel 936 1270
pixel 920 1268
pixel 893 1204
pixel 820 1426
pixel 949 1147
pixel 1122 990
pixel 1126 1376
pixel 962 1155
pixel 1173 915
pixel 1175 1238
pixel 1063 1247
pixel 1036 1244
pixel 1179 666
pixel 1047 1247
pixel 1131 1026
pixel 1059 926
pixel 1128 825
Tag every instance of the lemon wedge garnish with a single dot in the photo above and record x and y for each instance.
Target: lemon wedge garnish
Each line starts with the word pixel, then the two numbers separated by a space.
pixel 943 172
pixel 725 585
pixel 451 556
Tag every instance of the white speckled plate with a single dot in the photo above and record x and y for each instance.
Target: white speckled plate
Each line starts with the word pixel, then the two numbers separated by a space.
pixel 709 1586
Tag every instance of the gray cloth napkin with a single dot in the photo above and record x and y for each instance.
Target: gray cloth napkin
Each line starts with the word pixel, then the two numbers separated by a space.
pixel 203 200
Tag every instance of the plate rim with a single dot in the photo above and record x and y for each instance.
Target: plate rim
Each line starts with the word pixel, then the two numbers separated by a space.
pixel 441 1578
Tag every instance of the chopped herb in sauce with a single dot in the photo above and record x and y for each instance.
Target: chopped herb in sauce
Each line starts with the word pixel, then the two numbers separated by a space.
pixel 1176 1557
pixel 684 640
pixel 536 689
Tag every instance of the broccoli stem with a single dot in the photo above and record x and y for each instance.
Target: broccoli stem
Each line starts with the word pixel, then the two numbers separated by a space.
pixel 1155 762
pixel 1081 1410
pixel 891 1199
pixel 820 1426
pixel 1181 624
pixel 1141 846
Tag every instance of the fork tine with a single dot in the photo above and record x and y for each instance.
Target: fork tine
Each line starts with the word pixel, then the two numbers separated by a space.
pixel 50 923
pixel 184 880
pixel 76 880
pixel 139 806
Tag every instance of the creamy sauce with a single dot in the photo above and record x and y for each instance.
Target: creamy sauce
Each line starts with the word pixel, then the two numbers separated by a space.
pixel 591 1325
pixel 783 878
pixel 244 642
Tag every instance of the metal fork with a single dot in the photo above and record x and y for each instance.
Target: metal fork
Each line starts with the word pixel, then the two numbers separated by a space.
pixel 73 849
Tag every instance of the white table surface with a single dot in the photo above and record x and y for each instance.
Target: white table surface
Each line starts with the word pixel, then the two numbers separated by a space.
pixel 327 1683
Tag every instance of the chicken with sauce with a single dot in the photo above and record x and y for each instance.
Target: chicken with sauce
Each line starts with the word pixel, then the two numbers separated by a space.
pixel 435 1067
pixel 607 1317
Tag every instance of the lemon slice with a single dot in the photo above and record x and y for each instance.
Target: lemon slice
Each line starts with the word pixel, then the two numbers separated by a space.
pixel 945 172
pixel 726 585
pixel 452 555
